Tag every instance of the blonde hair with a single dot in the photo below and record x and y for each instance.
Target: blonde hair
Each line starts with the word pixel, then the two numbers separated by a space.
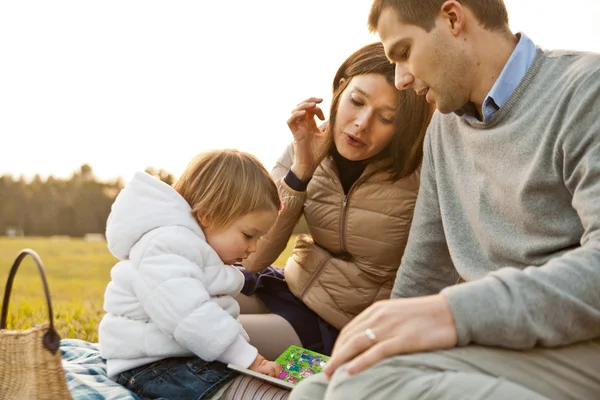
pixel 224 185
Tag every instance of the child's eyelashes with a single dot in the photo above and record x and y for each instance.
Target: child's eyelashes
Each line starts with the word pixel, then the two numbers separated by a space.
pixel 248 236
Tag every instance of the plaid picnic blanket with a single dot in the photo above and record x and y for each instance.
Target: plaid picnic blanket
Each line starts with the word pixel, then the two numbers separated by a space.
pixel 86 373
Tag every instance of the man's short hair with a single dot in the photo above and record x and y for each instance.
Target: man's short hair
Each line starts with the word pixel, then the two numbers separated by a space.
pixel 491 14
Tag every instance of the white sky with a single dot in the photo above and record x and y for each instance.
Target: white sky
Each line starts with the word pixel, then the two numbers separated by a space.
pixel 124 85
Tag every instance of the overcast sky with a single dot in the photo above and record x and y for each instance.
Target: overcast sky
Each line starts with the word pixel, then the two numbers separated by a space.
pixel 124 85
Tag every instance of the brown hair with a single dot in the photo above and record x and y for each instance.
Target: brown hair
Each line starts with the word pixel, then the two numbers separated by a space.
pixel 225 185
pixel 412 116
pixel 491 14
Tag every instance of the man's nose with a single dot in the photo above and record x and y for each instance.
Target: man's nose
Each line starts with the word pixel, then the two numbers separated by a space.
pixel 403 79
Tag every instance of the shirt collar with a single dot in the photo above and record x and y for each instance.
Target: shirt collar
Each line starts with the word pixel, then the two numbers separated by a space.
pixel 513 72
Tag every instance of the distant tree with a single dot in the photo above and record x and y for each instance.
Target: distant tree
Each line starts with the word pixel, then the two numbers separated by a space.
pixel 74 206
pixel 161 174
pixel 86 173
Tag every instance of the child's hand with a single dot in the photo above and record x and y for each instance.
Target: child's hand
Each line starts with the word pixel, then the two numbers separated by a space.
pixel 266 367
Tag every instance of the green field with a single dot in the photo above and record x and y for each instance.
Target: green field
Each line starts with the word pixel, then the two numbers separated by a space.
pixel 77 273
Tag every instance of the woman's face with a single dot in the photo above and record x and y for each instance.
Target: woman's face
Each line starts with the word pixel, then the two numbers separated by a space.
pixel 364 124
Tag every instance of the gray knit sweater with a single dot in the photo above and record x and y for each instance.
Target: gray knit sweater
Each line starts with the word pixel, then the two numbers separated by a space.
pixel 512 206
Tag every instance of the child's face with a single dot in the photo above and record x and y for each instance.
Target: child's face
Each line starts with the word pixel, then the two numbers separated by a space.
pixel 237 241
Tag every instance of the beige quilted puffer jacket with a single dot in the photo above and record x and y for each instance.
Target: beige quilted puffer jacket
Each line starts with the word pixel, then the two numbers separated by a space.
pixel 356 241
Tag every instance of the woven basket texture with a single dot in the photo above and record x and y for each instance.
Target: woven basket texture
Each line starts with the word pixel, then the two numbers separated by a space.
pixel 27 369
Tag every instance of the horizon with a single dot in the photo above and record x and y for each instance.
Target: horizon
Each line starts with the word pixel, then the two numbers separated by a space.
pixel 123 86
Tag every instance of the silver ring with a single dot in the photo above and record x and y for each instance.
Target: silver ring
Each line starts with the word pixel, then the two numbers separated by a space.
pixel 371 335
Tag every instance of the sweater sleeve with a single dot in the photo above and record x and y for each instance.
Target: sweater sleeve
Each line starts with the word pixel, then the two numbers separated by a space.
pixel 426 266
pixel 171 290
pixel 557 303
pixel 271 245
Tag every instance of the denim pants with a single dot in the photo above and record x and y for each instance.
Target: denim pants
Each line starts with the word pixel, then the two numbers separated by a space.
pixel 176 378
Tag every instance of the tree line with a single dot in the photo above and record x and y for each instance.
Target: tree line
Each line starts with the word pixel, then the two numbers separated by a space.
pixel 73 207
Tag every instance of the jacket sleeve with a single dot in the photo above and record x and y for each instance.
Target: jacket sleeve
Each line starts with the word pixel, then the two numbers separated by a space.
pixel 557 303
pixel 426 266
pixel 171 290
pixel 271 245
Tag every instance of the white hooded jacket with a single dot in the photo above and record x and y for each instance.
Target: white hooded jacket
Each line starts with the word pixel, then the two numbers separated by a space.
pixel 170 295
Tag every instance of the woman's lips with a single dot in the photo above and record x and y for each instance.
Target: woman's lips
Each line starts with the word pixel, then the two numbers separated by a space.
pixel 352 141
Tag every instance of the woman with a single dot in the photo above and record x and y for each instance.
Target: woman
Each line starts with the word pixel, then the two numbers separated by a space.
pixel 355 182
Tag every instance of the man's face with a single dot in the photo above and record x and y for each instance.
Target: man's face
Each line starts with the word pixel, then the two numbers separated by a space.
pixel 433 64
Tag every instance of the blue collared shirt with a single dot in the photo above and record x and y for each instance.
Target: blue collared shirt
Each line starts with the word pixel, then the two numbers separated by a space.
pixel 515 69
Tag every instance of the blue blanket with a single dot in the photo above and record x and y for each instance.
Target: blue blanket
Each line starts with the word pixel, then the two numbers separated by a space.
pixel 86 373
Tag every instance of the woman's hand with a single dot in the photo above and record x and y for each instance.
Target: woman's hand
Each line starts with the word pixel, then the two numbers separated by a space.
pixel 310 143
pixel 264 366
pixel 391 327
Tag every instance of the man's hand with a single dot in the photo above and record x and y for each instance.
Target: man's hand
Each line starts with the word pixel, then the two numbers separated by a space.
pixel 399 326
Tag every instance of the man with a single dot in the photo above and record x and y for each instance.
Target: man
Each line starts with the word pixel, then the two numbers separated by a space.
pixel 498 294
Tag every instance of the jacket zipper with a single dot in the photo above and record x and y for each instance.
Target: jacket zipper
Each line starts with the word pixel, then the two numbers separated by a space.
pixel 312 280
pixel 342 234
pixel 343 222
pixel 343 216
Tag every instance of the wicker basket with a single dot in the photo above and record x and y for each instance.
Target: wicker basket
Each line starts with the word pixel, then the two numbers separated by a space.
pixel 30 360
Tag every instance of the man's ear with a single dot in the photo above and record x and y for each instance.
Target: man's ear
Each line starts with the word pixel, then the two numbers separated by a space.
pixel 454 14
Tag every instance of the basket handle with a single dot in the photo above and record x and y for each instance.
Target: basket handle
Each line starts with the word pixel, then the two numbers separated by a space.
pixel 51 339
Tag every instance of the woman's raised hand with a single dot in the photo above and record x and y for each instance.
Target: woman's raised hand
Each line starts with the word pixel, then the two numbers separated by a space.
pixel 310 143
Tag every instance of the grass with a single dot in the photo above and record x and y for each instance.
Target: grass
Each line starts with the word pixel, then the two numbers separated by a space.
pixel 77 273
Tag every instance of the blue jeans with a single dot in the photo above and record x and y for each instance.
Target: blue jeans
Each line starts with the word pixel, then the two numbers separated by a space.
pixel 176 378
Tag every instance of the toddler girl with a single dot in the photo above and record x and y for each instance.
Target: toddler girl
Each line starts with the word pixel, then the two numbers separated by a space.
pixel 171 324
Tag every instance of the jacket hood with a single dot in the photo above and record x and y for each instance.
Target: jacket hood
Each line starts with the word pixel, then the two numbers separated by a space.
pixel 146 203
